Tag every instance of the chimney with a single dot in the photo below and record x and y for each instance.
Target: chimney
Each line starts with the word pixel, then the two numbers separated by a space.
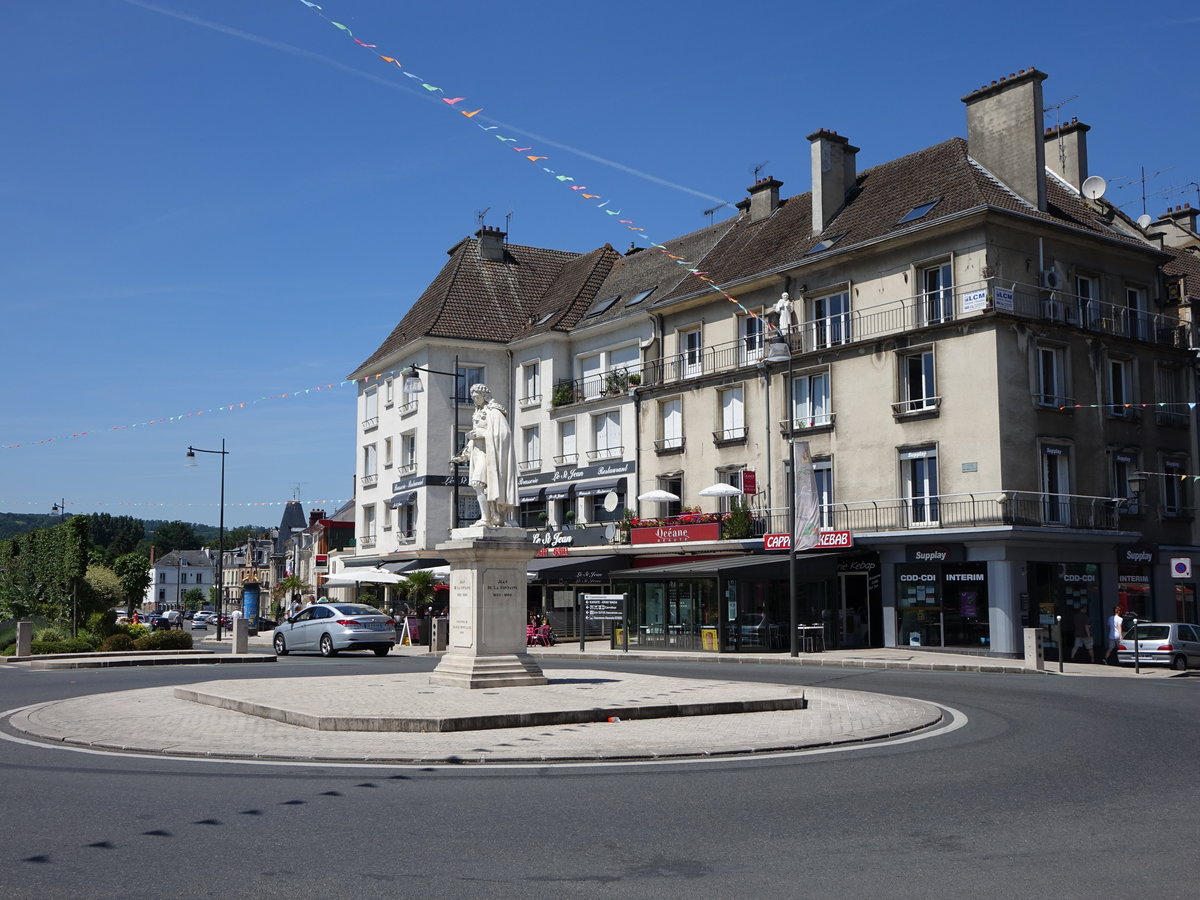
pixel 1184 219
pixel 1004 132
pixel 1066 152
pixel 491 243
pixel 764 197
pixel 833 175
pixel 315 516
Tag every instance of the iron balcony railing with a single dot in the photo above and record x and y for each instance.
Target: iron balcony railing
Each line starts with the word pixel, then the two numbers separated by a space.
pixel 956 511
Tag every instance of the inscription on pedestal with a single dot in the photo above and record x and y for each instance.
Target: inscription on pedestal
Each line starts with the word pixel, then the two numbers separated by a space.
pixel 462 608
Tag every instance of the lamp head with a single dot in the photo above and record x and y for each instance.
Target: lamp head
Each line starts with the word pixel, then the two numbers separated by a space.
pixel 412 381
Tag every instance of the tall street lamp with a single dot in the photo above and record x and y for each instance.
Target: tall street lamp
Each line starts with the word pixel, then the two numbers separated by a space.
pixel 412 385
pixel 778 349
pixel 60 508
pixel 191 457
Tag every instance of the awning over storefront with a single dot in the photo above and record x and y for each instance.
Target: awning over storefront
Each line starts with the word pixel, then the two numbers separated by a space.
pixel 399 567
pixel 559 492
pixel 808 568
pixel 600 487
pixel 531 496
pixel 574 570
pixel 405 498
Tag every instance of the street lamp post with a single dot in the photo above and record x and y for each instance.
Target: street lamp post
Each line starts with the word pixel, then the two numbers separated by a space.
pixel 412 385
pixel 61 509
pixel 191 456
pixel 780 348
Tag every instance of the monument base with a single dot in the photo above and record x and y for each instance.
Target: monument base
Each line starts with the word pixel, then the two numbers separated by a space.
pixel 488 610
pixel 509 670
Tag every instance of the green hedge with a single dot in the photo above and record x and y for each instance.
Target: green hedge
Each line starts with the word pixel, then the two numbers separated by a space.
pixel 116 643
pixel 69 645
pixel 164 640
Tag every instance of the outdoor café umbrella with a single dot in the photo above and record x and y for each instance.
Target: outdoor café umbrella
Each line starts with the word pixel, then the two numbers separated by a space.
pixel 720 489
pixel 658 496
pixel 364 576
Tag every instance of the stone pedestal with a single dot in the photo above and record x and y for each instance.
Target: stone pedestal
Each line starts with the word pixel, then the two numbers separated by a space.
pixel 486 647
pixel 240 632
pixel 24 639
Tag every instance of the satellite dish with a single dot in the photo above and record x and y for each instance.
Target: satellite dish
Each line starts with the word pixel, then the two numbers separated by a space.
pixel 1144 221
pixel 1094 187
pixel 610 532
pixel 611 501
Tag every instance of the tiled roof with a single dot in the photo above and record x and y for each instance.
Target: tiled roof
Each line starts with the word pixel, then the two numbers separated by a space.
pixel 1185 264
pixel 882 196
pixel 477 299
pixel 571 293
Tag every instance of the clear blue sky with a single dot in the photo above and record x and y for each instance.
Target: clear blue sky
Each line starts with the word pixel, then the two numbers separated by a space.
pixel 208 202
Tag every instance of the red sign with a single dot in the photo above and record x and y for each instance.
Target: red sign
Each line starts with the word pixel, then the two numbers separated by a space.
pixel 749 482
pixel 826 540
pixel 670 534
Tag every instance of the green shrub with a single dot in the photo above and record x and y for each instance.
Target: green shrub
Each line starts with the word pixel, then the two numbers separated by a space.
pixel 9 650
pixel 103 623
pixel 115 643
pixel 67 645
pixel 93 639
pixel 50 634
pixel 164 640
pixel 136 631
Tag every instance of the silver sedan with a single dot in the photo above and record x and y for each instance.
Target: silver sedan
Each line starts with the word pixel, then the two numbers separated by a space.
pixel 1173 644
pixel 331 627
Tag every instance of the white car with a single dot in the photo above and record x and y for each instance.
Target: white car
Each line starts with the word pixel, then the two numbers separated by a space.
pixel 330 627
pixel 1174 644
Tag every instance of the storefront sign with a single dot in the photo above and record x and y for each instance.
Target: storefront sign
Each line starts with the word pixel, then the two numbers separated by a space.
pixel 927 553
pixel 670 534
pixel 749 482
pixel 322 562
pixel 1138 554
pixel 553 538
pixel 826 540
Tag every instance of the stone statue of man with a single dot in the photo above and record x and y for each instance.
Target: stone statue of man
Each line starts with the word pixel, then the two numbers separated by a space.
pixel 785 309
pixel 491 460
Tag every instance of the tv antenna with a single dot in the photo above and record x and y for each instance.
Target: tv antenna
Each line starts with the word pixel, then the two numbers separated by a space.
pixel 1142 179
pixel 762 165
pixel 712 210
pixel 296 490
pixel 1056 108
pixel 479 216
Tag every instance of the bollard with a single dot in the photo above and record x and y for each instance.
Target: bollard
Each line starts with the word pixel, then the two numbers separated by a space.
pixel 1034 654
pixel 24 639
pixel 241 635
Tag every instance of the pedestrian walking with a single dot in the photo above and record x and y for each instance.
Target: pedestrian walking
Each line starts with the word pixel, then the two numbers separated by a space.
pixel 1115 628
pixel 1083 634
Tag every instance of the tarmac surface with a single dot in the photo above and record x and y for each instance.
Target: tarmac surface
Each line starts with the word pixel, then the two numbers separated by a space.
pixel 585 715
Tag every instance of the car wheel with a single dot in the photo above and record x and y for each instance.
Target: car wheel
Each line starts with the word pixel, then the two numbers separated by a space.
pixel 327 646
pixel 280 647
pixel 1179 663
pixel 381 651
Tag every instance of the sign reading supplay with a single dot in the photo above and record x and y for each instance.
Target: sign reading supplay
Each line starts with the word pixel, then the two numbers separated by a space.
pixel 826 540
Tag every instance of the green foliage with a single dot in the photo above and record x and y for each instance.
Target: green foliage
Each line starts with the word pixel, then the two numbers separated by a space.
pixel 420 588
pixel 115 643
pixel 564 394
pixel 133 570
pixel 137 631
pixel 114 536
pixel 40 571
pixel 103 623
pixel 164 640
pixel 100 591
pixel 290 587
pixel 737 524
pixel 193 598
pixel 50 634
pixel 69 645
pixel 175 536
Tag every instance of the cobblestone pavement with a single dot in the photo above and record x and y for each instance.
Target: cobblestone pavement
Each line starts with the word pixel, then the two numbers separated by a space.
pixel 154 720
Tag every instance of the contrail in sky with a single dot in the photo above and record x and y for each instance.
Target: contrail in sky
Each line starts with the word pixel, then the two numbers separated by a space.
pixel 316 57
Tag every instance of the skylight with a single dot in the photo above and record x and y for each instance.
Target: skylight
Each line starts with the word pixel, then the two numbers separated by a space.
pixel 640 296
pixel 602 306
pixel 918 211
pixel 546 318
pixel 822 245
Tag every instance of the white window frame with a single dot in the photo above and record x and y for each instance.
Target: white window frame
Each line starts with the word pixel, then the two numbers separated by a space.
pixel 830 322
pixel 937 293
pixel 387 452
pixel 531 383
pixel 1051 375
pixel 731 408
pixel 811 400
pixel 918 381
pixel 466 376
pixel 368 525
pixel 568 443
pixel 919 485
pixel 670 423
pixel 370 417
pixel 823 475
pixel 606 435
pixel 691 351
pixel 750 339
pixel 370 470
pixel 531 448
pixel 408 452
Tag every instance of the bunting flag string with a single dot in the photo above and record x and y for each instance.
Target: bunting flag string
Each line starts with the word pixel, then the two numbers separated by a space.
pixel 1189 405
pixel 102 504
pixel 229 407
pixel 636 230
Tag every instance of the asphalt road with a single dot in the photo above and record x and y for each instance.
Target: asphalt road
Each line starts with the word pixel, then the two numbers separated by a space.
pixel 1056 787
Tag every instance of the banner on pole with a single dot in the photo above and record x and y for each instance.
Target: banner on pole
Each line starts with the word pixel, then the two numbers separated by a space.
pixel 805 501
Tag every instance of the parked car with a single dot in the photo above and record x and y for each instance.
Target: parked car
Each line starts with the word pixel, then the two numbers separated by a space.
pixel 200 620
pixel 159 623
pixel 331 627
pixel 1174 644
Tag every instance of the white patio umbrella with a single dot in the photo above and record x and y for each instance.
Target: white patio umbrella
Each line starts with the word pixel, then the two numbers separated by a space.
pixel 720 489
pixel 365 576
pixel 658 496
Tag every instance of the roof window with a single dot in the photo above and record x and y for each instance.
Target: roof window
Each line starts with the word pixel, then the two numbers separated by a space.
pixel 918 212
pixel 602 306
pixel 640 296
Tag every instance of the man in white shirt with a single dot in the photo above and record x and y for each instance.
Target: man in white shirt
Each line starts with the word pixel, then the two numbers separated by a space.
pixel 1113 626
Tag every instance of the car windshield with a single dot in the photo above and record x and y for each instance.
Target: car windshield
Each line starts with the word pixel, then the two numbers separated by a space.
pixel 1151 633
pixel 357 609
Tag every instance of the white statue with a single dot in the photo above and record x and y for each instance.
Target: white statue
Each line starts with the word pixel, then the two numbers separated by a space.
pixel 491 460
pixel 785 310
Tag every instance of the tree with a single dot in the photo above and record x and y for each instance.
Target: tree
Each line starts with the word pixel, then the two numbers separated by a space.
pixel 420 589
pixel 40 572
pixel 134 571
pixel 193 599
pixel 175 536
pixel 291 587
pixel 101 590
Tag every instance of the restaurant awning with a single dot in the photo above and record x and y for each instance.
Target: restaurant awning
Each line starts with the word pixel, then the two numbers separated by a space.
pixel 575 570
pixel 558 491
pixel 531 496
pixel 755 565
pixel 600 487
pixel 404 498
pixel 399 567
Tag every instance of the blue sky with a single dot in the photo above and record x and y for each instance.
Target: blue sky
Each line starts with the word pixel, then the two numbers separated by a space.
pixel 210 202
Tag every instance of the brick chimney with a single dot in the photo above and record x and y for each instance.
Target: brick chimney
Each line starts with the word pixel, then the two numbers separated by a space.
pixel 1004 132
pixel 315 516
pixel 491 243
pixel 1066 152
pixel 1183 218
pixel 764 197
pixel 834 174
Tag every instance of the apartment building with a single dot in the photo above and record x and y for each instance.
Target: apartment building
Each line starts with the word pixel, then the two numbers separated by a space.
pixel 992 368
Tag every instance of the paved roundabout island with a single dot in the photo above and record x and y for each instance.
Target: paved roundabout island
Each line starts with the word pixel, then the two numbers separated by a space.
pixel 581 715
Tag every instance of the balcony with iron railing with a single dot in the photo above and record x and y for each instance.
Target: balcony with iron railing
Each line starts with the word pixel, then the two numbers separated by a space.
pixel 988 509
pixel 904 315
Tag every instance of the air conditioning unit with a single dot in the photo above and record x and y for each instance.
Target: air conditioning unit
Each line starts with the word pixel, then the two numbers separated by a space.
pixel 1051 279
pixel 1057 311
